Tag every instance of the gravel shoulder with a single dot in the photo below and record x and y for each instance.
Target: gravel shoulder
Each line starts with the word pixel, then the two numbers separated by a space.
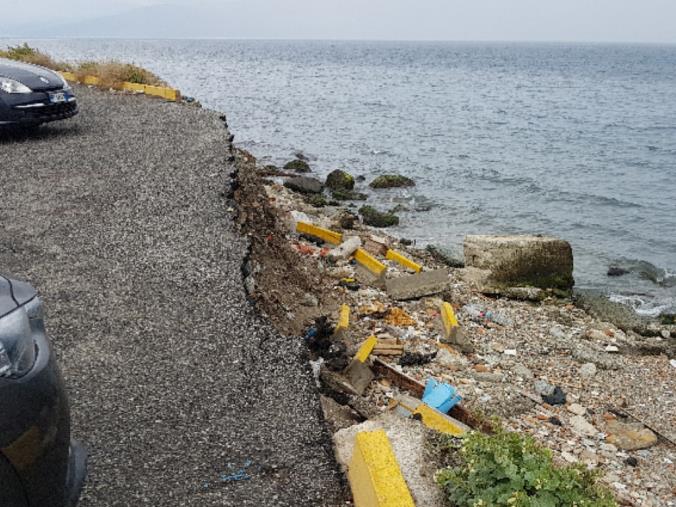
pixel 176 383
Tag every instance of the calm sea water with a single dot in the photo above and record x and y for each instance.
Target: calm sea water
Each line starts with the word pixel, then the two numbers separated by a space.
pixel 578 141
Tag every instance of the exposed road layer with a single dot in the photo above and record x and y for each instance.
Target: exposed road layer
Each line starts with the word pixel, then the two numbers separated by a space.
pixel 181 392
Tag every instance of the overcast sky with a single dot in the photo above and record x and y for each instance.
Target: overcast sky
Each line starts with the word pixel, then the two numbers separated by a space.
pixel 527 20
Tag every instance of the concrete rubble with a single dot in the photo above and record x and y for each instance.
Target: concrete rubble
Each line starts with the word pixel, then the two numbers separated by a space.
pixel 519 350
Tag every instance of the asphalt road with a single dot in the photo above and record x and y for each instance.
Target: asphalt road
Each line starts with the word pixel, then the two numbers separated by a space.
pixel 181 392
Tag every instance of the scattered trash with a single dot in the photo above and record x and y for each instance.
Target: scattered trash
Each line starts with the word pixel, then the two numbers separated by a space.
pixel 479 315
pixel 631 461
pixel 349 284
pixel 398 317
pixel 555 421
pixel 510 352
pixel 388 347
pixel 441 396
pixel 416 358
pixel 672 362
pixel 611 348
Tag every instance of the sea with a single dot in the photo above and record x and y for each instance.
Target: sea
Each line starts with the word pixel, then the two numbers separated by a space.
pixel 572 140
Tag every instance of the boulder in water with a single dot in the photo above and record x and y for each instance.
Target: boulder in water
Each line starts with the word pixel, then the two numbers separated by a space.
pixel 304 185
pixel 392 181
pixel 298 165
pixel 339 180
pixel 375 218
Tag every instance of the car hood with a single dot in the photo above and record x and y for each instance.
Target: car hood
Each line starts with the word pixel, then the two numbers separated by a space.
pixel 14 293
pixel 32 76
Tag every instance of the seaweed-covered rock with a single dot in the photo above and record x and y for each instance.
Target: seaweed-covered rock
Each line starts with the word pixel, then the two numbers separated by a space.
pixel 298 165
pixel 304 185
pixel 339 180
pixel 316 200
pixel 348 195
pixel 392 181
pixel 375 218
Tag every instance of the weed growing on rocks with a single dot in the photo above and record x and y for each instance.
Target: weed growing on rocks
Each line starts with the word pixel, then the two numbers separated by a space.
pixel 513 470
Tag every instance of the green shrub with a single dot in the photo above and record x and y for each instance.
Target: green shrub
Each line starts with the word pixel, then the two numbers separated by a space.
pixel 513 470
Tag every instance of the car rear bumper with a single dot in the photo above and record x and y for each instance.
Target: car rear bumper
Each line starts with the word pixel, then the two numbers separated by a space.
pixel 35 108
pixel 35 433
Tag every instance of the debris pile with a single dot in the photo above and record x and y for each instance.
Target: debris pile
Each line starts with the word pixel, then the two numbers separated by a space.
pixel 397 331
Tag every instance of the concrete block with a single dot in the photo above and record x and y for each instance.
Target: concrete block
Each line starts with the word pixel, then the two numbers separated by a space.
pixel 521 261
pixel 418 285
pixel 359 375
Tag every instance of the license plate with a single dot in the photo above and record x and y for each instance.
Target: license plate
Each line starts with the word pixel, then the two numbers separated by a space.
pixel 57 98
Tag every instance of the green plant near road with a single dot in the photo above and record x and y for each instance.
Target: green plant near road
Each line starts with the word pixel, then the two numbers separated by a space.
pixel 111 73
pixel 509 469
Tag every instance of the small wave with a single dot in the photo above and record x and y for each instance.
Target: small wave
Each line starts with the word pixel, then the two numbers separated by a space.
pixel 644 305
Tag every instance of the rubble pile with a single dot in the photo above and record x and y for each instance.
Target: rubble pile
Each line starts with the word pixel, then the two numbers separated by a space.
pixel 584 388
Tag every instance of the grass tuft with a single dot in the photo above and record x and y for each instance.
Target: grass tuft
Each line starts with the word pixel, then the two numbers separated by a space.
pixel 111 73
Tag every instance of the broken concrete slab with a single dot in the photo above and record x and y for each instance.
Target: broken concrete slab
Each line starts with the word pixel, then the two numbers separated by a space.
pixel 629 436
pixel 419 285
pixel 359 375
pixel 519 261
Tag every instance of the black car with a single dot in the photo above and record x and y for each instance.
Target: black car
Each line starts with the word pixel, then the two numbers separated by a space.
pixel 31 95
pixel 39 464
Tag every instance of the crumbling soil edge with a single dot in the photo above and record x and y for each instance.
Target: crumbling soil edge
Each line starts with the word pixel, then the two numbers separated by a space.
pixel 268 260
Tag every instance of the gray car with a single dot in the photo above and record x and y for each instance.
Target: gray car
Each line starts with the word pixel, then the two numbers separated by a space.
pixel 39 464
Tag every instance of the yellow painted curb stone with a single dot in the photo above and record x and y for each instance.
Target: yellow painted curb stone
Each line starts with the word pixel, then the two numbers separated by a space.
pixel 369 262
pixel 164 92
pixel 449 319
pixel 366 349
pixel 335 238
pixel 374 474
pixel 402 260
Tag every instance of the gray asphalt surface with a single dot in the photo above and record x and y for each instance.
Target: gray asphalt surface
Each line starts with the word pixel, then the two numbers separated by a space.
pixel 175 382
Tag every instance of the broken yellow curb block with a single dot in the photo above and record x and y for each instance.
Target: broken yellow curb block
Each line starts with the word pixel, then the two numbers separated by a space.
pixel 164 92
pixel 374 474
pixel 369 262
pixel 442 423
pixel 366 348
pixel 335 238
pixel 343 319
pixel 402 260
pixel 449 319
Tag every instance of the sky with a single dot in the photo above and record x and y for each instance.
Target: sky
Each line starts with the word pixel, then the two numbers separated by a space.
pixel 503 20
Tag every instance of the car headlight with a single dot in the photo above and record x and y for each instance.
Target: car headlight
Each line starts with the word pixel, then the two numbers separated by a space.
pixel 66 86
pixel 17 348
pixel 8 85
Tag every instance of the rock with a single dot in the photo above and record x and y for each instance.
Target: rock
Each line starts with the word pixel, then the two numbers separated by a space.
pixel 458 339
pixel 446 256
pixel 347 220
pixel 617 271
pixel 416 286
pixel 309 300
pixel 602 360
pixel 316 200
pixel 557 332
pixel 510 352
pixel 451 361
pixel 577 409
pixel 375 218
pixel 629 436
pixel 298 165
pixel 339 180
pixel 588 370
pixel 524 293
pixel 304 185
pixel 348 195
pixel 338 416
pixel 596 335
pixel 518 261
pixel 622 316
pixel 611 348
pixel 391 181
pixel 543 388
pixel 486 376
pixel 568 457
pixel 580 426
pixel 346 248
pixel 523 372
